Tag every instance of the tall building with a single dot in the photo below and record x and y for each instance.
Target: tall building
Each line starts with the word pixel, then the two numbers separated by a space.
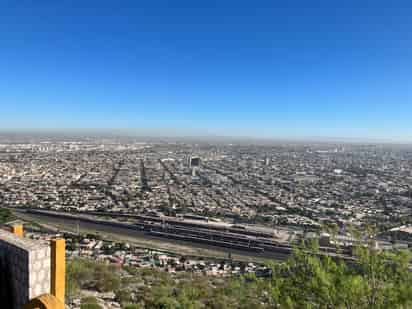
pixel 194 161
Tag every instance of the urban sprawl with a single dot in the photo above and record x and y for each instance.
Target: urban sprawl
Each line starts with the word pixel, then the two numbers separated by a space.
pixel 258 199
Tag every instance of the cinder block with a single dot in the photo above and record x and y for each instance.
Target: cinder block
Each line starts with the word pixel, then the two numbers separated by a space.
pixel 41 254
pixel 41 276
pixel 37 265
pixel 29 274
pixel 46 263
pixel 32 278
pixel 38 289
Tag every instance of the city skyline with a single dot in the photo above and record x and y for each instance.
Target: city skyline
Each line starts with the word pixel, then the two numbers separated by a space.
pixel 224 69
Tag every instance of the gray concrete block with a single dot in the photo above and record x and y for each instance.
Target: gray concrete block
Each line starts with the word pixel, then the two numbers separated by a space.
pixel 27 265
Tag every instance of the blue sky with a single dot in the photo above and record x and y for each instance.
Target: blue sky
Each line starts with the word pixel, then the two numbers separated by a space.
pixel 251 68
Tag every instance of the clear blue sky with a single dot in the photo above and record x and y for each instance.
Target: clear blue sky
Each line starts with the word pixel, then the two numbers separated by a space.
pixel 253 68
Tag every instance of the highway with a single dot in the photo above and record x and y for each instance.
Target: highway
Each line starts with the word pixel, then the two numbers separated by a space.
pixel 167 229
pixel 139 231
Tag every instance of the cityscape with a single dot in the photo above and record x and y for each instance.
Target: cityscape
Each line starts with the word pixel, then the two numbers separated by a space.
pixel 213 209
pixel 205 154
pixel 291 185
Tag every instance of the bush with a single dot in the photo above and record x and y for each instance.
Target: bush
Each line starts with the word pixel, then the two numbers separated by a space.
pixel 306 280
pixel 133 306
pixel 81 274
pixel 5 216
pixel 124 296
pixel 90 306
pixel 89 303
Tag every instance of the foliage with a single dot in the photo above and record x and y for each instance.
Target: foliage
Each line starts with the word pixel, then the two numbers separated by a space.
pixel 89 303
pixel 90 306
pixel 5 216
pixel 375 279
pixel 133 306
pixel 82 274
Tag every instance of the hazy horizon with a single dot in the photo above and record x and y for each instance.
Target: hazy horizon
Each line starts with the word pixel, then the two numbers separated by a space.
pixel 193 136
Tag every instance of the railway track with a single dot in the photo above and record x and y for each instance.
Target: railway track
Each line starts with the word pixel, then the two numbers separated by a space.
pixel 193 233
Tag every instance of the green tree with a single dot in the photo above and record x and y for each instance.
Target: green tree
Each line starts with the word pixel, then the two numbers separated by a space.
pixel 308 279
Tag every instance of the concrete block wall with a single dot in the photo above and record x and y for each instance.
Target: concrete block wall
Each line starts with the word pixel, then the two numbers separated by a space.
pixel 24 270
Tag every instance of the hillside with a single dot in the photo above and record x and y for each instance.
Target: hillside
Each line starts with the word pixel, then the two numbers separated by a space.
pixel 375 280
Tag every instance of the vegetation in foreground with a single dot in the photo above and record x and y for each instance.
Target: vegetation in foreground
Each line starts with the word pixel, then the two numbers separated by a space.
pixel 375 280
pixel 5 216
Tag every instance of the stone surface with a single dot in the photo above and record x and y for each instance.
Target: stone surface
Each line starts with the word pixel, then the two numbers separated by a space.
pixel 24 269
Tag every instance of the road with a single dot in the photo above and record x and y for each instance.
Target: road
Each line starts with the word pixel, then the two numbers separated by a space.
pixel 129 233
pixel 173 232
